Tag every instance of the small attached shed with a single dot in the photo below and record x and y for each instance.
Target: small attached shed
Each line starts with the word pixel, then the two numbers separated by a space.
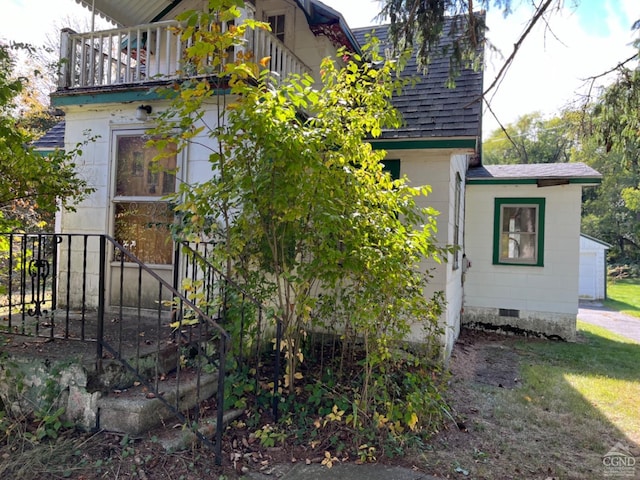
pixel 522 229
pixel 593 268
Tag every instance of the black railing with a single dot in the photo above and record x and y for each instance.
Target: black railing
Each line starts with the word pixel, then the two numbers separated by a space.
pixel 244 316
pixel 44 287
pixel 56 285
pixel 187 344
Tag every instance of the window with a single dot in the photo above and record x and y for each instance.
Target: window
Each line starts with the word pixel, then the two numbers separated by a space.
pixel 456 221
pixel 141 217
pixel 392 167
pixel 518 233
pixel 277 26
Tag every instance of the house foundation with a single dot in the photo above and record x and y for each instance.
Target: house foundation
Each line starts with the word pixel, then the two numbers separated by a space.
pixel 561 326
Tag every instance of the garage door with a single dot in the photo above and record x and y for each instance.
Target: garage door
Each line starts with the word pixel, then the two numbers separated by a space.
pixel 588 276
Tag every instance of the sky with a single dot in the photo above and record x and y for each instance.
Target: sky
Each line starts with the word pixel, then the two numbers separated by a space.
pixel 548 74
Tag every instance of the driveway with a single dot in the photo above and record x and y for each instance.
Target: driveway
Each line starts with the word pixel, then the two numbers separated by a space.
pixel 616 322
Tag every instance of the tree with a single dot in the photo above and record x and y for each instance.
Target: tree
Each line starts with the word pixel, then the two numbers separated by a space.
pixel 616 117
pixel 30 185
pixel 420 24
pixel 532 139
pixel 606 213
pixel 613 126
pixel 299 207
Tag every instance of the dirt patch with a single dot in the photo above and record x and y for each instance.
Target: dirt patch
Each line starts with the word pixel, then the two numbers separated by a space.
pixel 485 358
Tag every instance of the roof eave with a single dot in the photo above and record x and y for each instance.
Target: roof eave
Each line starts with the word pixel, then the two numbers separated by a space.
pixel 318 14
pixel 524 180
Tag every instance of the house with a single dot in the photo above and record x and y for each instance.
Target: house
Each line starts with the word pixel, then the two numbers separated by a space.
pixel 106 86
pixel 439 141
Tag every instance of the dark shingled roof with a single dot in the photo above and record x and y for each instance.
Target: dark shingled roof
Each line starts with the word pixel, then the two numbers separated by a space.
pixel 51 140
pixel 429 108
pixel 547 171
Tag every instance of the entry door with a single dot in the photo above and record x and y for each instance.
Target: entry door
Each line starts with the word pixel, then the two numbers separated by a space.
pixel 141 217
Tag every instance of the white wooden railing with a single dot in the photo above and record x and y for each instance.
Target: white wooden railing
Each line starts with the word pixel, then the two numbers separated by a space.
pixel 149 53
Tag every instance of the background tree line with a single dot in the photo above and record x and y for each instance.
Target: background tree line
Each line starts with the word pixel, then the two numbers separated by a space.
pixel 604 134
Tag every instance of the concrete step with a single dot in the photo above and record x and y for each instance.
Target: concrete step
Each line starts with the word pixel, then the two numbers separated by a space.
pixel 185 438
pixel 115 376
pixel 135 410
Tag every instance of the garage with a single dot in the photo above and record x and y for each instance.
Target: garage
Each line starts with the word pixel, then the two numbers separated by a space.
pixel 593 268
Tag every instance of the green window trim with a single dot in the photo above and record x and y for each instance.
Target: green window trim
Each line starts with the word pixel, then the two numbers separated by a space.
pixel 456 221
pixel 499 204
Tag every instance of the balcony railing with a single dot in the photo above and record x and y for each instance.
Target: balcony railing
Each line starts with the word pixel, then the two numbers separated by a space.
pixel 151 53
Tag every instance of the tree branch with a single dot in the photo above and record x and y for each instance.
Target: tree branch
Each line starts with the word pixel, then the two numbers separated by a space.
pixel 592 80
pixel 516 46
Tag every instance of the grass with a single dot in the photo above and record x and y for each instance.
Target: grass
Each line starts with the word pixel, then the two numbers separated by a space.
pixel 624 296
pixel 602 370
pixel 574 403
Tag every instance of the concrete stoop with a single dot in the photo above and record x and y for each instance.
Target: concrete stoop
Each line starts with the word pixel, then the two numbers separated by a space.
pixel 116 376
pixel 136 411
pixel 108 400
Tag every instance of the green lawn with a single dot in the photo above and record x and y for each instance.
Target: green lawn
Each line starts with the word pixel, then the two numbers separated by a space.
pixel 573 402
pixel 624 296
pixel 601 368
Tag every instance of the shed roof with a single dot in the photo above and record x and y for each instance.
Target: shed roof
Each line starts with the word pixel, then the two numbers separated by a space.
pixel 544 174
pixel 600 243
pixel 429 108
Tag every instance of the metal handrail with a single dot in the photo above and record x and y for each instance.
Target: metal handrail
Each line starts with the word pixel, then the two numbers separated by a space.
pixel 53 276
pixel 224 340
pixel 204 262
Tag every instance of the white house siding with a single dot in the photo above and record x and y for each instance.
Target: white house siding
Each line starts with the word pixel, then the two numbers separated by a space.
pixel 546 298
pixel 592 283
pixel 309 48
pixel 94 215
pixel 454 287
pixel 437 168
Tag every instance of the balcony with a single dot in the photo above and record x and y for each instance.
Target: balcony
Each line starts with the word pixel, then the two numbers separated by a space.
pixel 152 53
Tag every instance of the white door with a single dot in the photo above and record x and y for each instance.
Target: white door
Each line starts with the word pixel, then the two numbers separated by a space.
pixel 588 276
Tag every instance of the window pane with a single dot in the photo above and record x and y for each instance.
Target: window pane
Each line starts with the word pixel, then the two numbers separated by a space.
pixel 519 219
pixel 518 246
pixel 143 229
pixel 456 224
pixel 277 26
pixel 138 175
pixel 518 237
